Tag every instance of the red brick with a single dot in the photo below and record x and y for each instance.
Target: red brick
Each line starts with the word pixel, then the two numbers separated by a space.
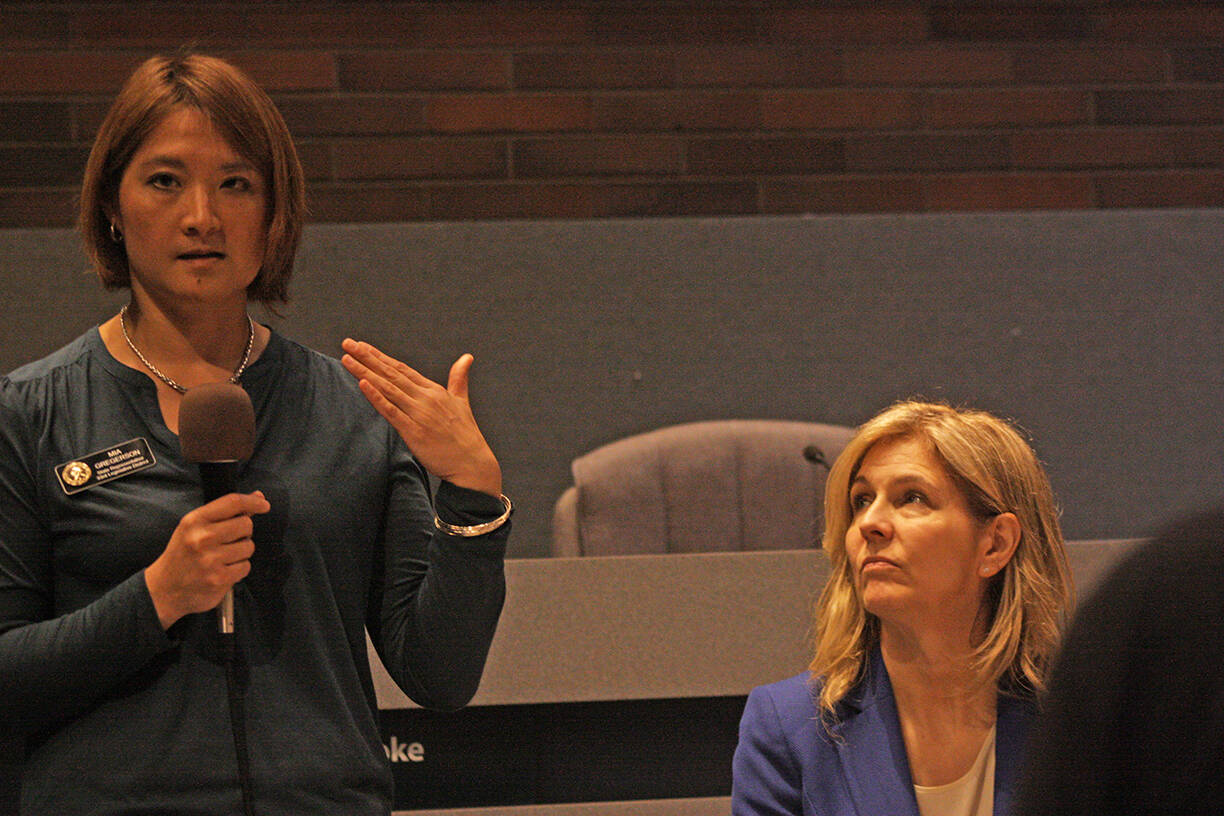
pixel 622 112
pixel 928 65
pixel 716 110
pixel 843 194
pixel 657 24
pixel 28 28
pixel 1191 22
pixel 1011 23
pixel 369 159
pixel 1197 64
pixel 223 26
pixel 971 107
pixel 766 156
pixel 364 203
pixel 105 72
pixel 846 25
pixel 87 117
pixel 352 115
pixel 591 200
pixel 1008 191
pixel 315 158
pixel 842 109
pixel 160 26
pixel 581 70
pixel 778 66
pixel 679 111
pixel 1087 103
pixel 38 165
pixel 1118 147
pixel 509 200
pixel 1067 65
pixel 503 25
pixel 61 72
pixel 22 121
pixel 1161 107
pixel 45 207
pixel 1161 188
pixel 654 200
pixel 596 156
pixel 423 71
pixel 489 113
pixel 330 25
pixel 287 70
pixel 926 151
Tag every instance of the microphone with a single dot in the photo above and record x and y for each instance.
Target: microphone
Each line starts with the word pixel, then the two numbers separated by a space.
pixel 815 455
pixel 217 432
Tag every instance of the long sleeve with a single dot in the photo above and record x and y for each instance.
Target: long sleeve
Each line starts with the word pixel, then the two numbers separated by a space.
pixel 115 709
pixel 55 665
pixel 434 616
pixel 766 778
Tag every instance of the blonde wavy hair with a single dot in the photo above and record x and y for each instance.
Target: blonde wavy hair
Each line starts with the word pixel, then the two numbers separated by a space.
pixel 997 472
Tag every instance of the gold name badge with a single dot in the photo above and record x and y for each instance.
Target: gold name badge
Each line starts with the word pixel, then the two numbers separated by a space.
pixel 105 465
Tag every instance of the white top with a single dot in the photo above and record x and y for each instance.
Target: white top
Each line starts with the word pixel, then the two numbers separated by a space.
pixel 971 795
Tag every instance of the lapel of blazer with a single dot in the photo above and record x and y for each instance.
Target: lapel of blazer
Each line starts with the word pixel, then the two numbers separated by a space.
pixel 871 749
pixel 1013 718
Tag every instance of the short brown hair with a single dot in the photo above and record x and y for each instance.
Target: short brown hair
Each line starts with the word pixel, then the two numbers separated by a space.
pixel 243 114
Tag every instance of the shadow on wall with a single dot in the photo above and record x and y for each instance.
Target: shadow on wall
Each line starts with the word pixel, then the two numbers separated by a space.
pixel 1101 333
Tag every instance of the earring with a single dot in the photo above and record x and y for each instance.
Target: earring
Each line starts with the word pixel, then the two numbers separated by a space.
pixel 115 234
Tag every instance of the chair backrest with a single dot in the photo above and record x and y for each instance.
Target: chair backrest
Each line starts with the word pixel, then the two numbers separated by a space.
pixel 740 484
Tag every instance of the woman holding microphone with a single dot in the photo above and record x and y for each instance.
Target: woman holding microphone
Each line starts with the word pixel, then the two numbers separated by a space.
pixel 110 659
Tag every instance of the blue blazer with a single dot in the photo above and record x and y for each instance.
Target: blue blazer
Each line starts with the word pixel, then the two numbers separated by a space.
pixel 787 763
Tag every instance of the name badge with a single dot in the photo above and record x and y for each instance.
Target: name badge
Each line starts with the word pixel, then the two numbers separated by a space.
pixel 106 465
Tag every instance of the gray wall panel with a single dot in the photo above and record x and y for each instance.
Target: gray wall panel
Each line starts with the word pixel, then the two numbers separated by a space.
pixel 667 626
pixel 1100 332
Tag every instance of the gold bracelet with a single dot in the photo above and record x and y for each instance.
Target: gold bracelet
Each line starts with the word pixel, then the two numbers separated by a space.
pixel 473 530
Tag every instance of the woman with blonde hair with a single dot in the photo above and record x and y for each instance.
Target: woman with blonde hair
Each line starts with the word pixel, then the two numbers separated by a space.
pixel 947 593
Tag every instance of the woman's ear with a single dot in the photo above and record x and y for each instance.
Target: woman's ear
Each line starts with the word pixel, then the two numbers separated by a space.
pixel 112 215
pixel 999 541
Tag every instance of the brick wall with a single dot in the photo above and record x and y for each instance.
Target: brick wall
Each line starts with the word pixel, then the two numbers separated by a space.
pixel 410 111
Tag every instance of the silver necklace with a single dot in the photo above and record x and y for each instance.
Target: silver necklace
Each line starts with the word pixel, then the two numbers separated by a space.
pixel 246 355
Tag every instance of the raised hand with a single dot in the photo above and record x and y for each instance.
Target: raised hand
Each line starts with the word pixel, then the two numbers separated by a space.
pixel 435 422
pixel 208 553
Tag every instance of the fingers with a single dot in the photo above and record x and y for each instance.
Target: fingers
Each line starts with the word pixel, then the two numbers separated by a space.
pixel 209 552
pixel 405 397
pixel 389 411
pixel 365 361
pixel 392 395
pixel 232 504
pixel 397 385
pixel 223 542
pixel 369 360
pixel 435 423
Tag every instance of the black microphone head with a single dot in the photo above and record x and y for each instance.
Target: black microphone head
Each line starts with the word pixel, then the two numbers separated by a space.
pixel 814 455
pixel 216 423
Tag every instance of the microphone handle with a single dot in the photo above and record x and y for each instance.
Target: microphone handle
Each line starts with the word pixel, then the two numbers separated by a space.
pixel 225 613
pixel 218 479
